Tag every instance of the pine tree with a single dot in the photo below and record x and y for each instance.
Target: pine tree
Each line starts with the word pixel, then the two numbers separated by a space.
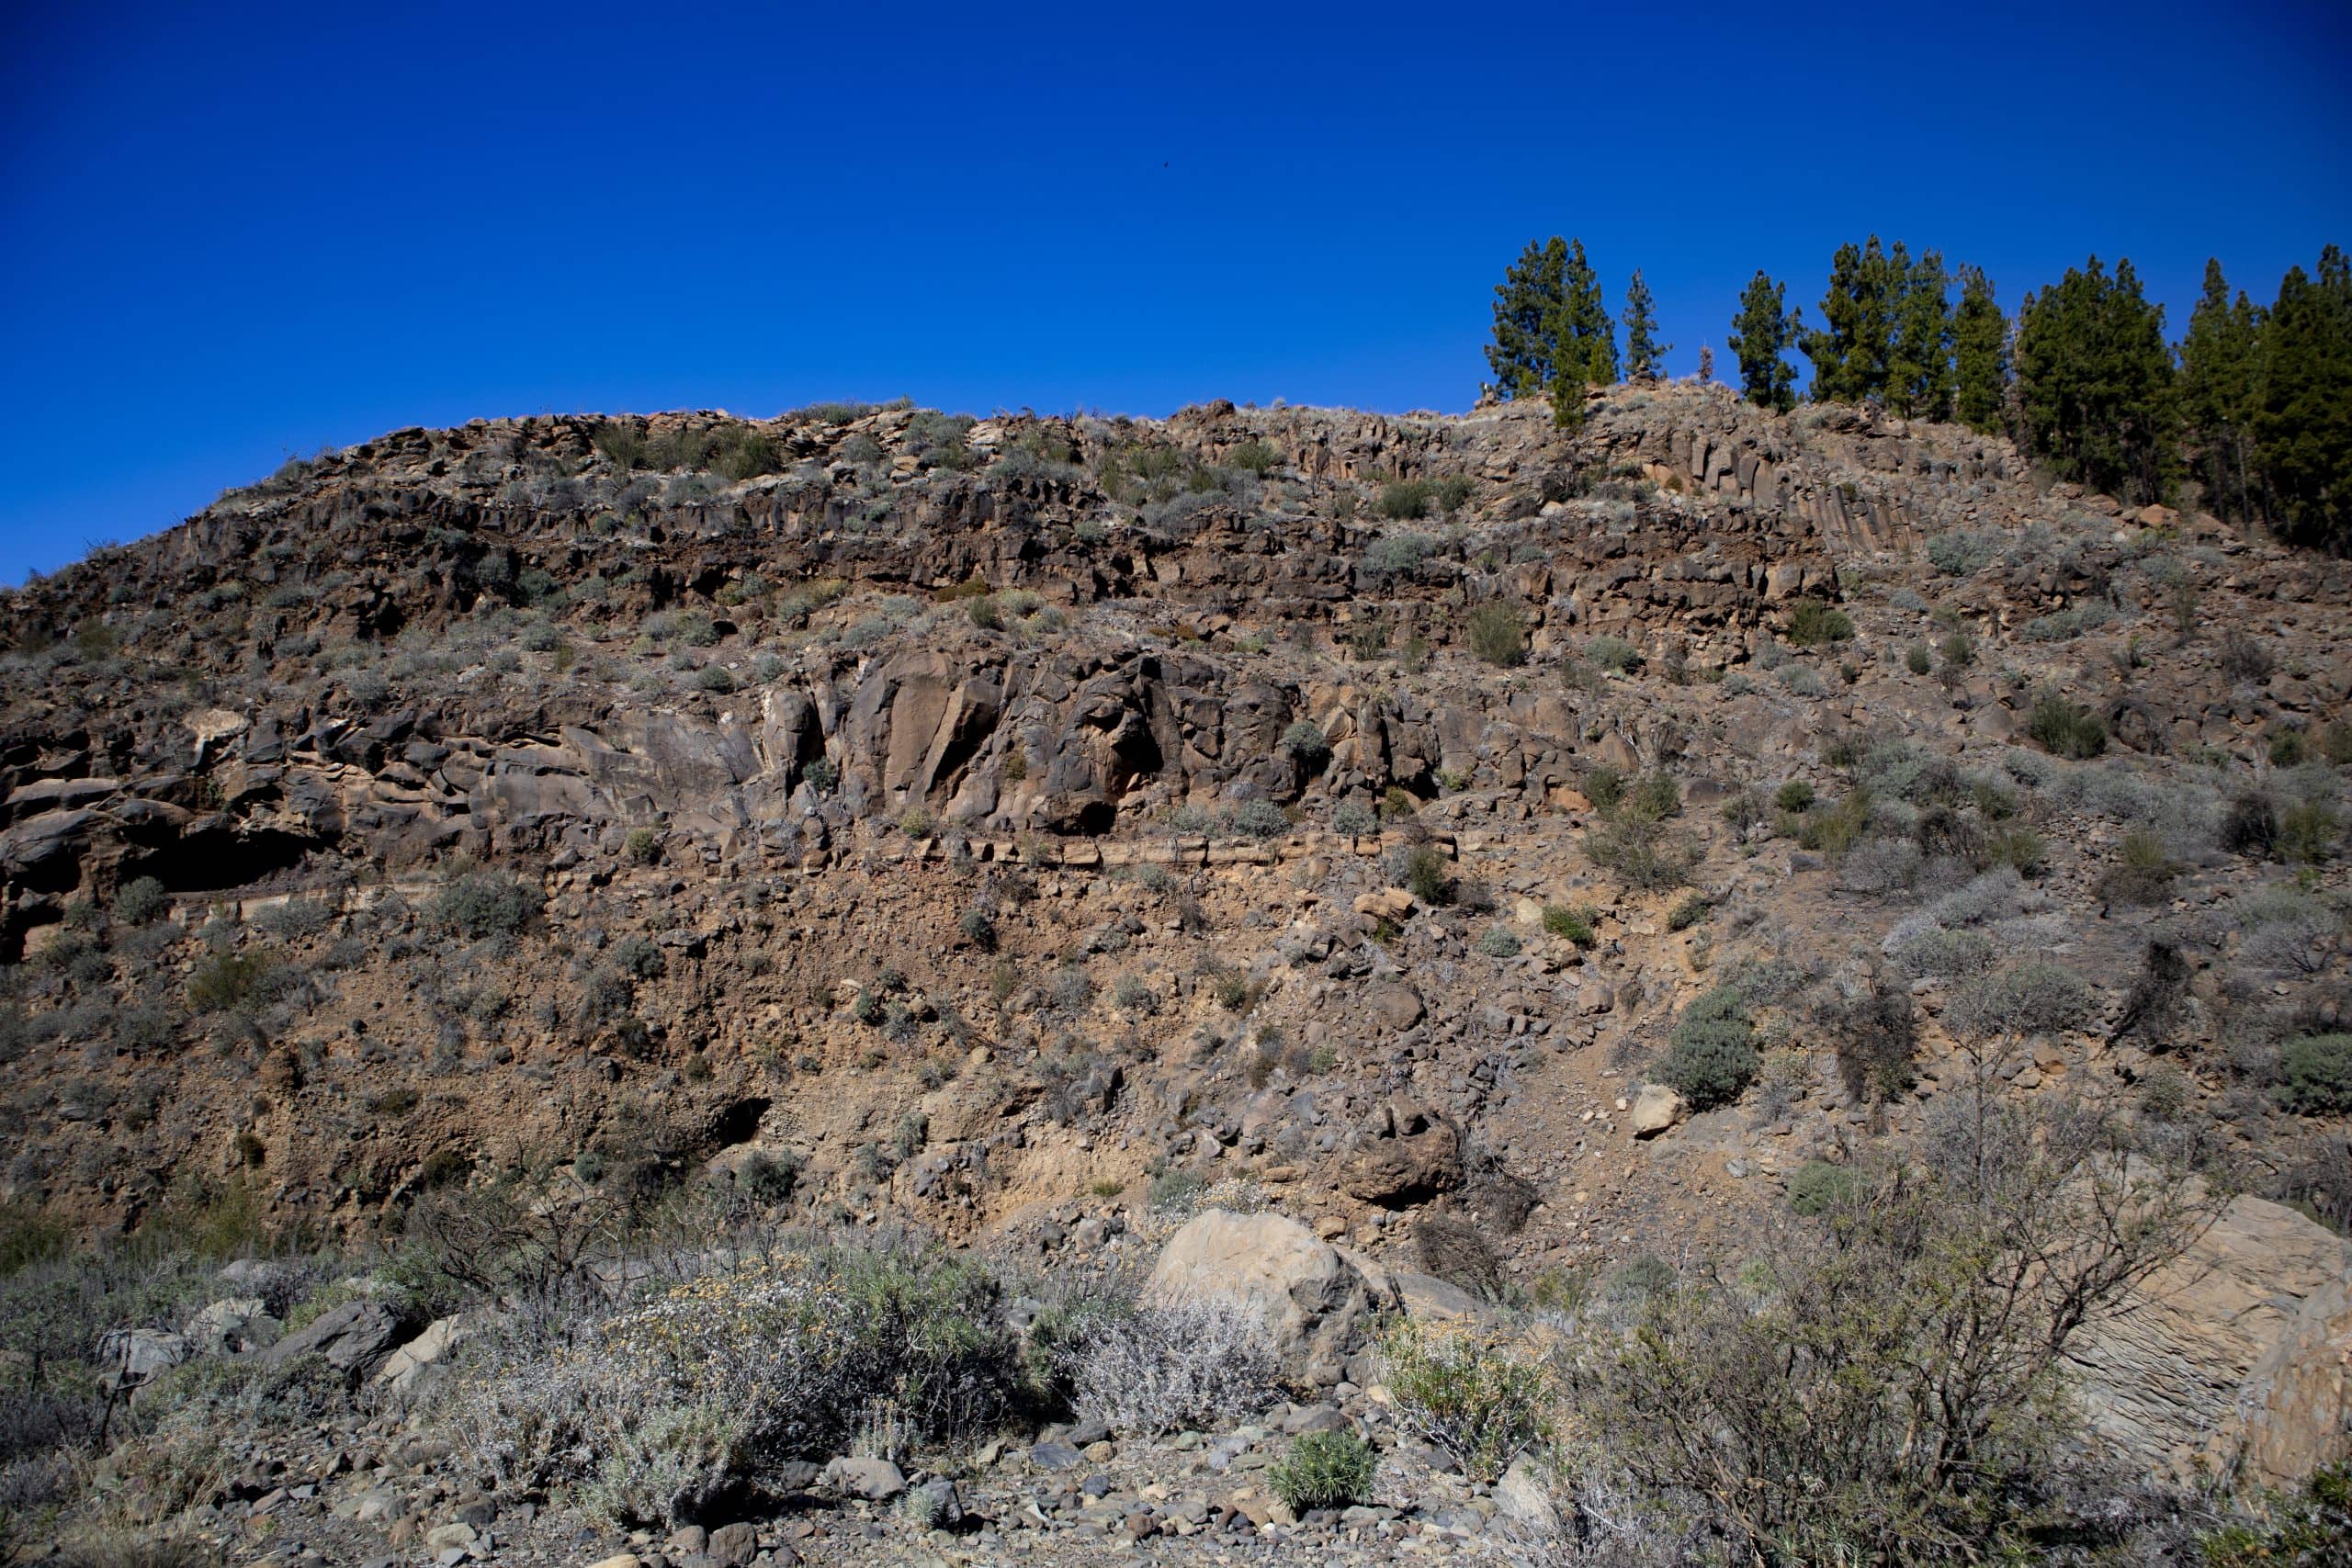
pixel 1761 331
pixel 1850 352
pixel 2302 422
pixel 1589 324
pixel 1643 352
pixel 1706 365
pixel 1531 306
pixel 2219 382
pixel 1920 376
pixel 2095 391
pixel 1980 341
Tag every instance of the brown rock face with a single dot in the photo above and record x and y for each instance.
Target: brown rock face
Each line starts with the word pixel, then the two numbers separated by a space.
pixel 2239 1354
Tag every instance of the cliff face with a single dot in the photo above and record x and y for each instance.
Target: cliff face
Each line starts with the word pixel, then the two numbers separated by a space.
pixel 984 820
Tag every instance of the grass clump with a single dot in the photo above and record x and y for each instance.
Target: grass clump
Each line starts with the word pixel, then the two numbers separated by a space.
pixel 1498 635
pixel 1324 1470
pixel 2066 729
pixel 1812 623
pixel 1572 923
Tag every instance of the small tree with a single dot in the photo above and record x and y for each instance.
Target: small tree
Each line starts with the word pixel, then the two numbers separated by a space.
pixel 1980 336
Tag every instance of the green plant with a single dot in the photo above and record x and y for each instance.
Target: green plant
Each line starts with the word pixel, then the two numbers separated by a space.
pixel 1812 622
pixel 1496 942
pixel 1710 1056
pixel 1916 660
pixel 642 846
pixel 1614 653
pixel 1404 501
pixel 1422 873
pixel 1692 908
pixel 482 903
pixel 1794 796
pixel 2066 729
pixel 1573 924
pixel 1473 1397
pixel 2144 874
pixel 1304 743
pixel 2308 832
pixel 1498 635
pixel 140 901
pixel 2310 1526
pixel 226 981
pixel 1817 1186
pixel 2315 1075
pixel 1324 1470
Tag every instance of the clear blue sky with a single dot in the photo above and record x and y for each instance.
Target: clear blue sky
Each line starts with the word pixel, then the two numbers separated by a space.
pixel 229 233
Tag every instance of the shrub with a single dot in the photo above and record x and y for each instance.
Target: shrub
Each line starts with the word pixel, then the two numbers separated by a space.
pixel 1916 660
pixel 1405 501
pixel 646 1412
pixel 1496 942
pixel 2315 1075
pixel 1498 635
pixel 1794 796
pixel 1604 787
pixel 1421 871
pixel 2243 658
pixel 1468 1394
pixel 481 904
pixel 1937 953
pixel 1692 908
pixel 1399 555
pixel 1353 817
pixel 2250 824
pixel 2066 729
pixel 978 928
pixel 1261 820
pixel 1876 1036
pixel 2308 1527
pixel 226 981
pixel 1818 1187
pixel 2308 832
pixel 1195 1364
pixel 1888 1388
pixel 1324 1470
pixel 1254 457
pixel 1641 854
pixel 2145 873
pixel 1305 744
pixel 1452 492
pixel 1614 653
pixel 1963 552
pixel 1574 924
pixel 140 901
pixel 2289 748
pixel 643 846
pixel 1812 622
pixel 2035 998
pixel 1710 1056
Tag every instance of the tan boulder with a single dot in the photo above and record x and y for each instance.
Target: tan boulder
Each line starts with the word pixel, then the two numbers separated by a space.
pixel 1319 1303
pixel 1656 1109
pixel 2239 1352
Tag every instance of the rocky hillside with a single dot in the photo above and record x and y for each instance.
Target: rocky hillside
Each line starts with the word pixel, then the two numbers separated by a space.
pixel 1518 855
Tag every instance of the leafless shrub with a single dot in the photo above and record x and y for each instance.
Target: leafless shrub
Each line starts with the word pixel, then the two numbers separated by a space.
pixel 1189 1364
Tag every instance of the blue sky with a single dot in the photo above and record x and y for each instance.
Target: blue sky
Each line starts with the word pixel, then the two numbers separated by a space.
pixel 231 234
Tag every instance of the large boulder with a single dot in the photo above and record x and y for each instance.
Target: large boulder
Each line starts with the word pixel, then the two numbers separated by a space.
pixel 2241 1353
pixel 1417 1157
pixel 353 1338
pixel 1319 1303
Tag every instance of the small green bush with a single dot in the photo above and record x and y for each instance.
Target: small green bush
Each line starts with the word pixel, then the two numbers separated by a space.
pixel 2308 832
pixel 1304 743
pixel 1467 1394
pixel 1614 653
pixel 2066 729
pixel 1496 942
pixel 2315 1075
pixel 1818 1186
pixel 227 981
pixel 141 900
pixel 1917 659
pixel 1574 924
pixel 1422 873
pixel 1498 635
pixel 978 928
pixel 1405 501
pixel 1452 492
pixel 1794 796
pixel 1604 787
pixel 643 846
pixel 482 903
pixel 1324 1470
pixel 1692 908
pixel 1711 1057
pixel 1812 623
